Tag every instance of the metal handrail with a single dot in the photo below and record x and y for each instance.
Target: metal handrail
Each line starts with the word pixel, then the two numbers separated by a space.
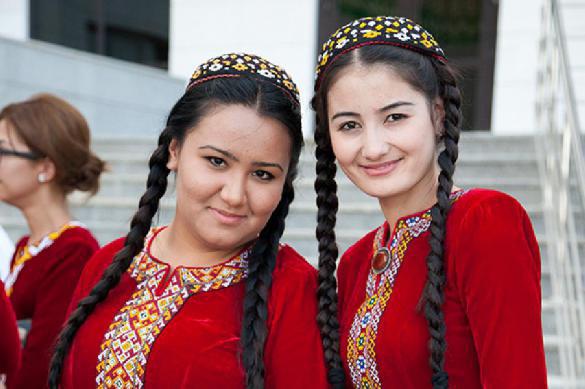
pixel 562 165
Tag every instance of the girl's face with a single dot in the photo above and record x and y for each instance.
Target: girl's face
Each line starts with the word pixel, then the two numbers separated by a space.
pixel 383 132
pixel 230 172
pixel 19 177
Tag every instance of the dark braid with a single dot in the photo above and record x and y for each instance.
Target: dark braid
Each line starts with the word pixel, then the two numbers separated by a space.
pixel 139 226
pixel 433 292
pixel 261 265
pixel 327 205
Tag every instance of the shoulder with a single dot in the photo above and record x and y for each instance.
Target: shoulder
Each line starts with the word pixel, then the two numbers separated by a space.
pixel 99 261
pixel 481 205
pixel 291 267
pixel 76 239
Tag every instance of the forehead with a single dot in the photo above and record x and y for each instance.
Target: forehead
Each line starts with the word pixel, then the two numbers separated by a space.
pixel 370 86
pixel 8 135
pixel 242 131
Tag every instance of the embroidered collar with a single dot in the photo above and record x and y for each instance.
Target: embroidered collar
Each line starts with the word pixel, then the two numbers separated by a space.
pixel 133 331
pixel 31 250
pixel 361 346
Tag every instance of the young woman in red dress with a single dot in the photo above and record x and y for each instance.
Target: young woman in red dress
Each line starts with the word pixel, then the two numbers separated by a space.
pixel 446 293
pixel 212 300
pixel 45 155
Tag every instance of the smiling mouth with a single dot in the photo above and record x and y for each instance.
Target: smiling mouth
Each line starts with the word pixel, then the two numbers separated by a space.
pixel 380 169
pixel 226 217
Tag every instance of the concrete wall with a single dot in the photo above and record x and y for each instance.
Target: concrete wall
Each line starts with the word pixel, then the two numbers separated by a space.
pixel 517 60
pixel 117 97
pixel 282 31
pixel 14 19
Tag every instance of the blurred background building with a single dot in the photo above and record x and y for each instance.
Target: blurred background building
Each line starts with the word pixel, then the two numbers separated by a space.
pixel 125 63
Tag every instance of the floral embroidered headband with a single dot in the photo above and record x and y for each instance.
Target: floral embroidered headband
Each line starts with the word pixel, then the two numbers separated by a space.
pixel 379 30
pixel 247 65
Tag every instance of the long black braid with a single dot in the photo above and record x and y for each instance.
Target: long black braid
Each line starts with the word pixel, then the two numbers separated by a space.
pixel 433 292
pixel 327 205
pixel 434 79
pixel 270 101
pixel 261 266
pixel 134 243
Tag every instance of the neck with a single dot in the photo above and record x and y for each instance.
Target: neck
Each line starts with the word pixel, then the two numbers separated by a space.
pixel 176 246
pixel 46 213
pixel 422 196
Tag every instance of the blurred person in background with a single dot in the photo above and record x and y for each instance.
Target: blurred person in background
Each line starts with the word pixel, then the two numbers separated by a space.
pixel 44 156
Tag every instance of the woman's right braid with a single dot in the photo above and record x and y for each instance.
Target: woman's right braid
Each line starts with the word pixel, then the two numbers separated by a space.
pixel 433 294
pixel 139 226
pixel 327 205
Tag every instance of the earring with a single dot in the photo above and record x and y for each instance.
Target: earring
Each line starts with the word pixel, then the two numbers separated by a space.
pixel 42 177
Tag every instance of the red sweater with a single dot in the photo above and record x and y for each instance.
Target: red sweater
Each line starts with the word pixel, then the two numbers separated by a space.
pixel 182 329
pixel 42 292
pixel 492 303
pixel 9 340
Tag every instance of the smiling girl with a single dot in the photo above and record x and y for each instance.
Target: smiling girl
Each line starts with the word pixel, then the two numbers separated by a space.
pixel 446 293
pixel 212 300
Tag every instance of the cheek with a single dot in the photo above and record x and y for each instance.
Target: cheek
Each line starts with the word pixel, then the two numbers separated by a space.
pixel 345 148
pixel 264 198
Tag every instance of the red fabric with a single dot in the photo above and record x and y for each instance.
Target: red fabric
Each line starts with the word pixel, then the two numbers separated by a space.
pixel 199 347
pixel 492 301
pixel 9 340
pixel 42 292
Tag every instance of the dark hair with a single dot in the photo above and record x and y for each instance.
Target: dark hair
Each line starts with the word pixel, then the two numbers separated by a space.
pixel 53 128
pixel 270 101
pixel 435 79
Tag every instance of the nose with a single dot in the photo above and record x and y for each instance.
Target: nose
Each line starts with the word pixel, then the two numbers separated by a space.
pixel 374 146
pixel 233 192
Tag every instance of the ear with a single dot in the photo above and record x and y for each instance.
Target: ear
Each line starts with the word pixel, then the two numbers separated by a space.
pixel 47 168
pixel 173 161
pixel 438 109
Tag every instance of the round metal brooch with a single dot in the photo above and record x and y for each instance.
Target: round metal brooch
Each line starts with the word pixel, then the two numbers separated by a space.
pixel 381 260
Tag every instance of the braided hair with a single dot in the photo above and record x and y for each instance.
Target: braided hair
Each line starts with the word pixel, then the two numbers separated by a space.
pixel 435 79
pixel 269 101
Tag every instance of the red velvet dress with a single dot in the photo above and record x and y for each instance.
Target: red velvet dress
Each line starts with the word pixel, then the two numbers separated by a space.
pixel 492 300
pixel 182 329
pixel 9 340
pixel 42 291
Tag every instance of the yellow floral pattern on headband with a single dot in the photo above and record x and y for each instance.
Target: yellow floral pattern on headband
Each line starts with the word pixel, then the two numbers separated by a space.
pixel 389 30
pixel 242 64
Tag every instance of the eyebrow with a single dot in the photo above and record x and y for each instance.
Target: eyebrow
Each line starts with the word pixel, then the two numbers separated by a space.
pixel 229 155
pixel 385 108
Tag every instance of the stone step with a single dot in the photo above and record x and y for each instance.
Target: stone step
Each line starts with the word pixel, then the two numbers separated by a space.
pixel 526 190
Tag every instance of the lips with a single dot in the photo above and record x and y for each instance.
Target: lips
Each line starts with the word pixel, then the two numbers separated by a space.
pixel 380 169
pixel 226 217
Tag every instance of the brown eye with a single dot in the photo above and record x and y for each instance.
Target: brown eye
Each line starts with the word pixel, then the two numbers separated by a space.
pixel 263 175
pixel 394 117
pixel 216 161
pixel 348 126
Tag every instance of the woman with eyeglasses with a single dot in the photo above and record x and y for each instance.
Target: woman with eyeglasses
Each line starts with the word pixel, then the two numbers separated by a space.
pixel 45 155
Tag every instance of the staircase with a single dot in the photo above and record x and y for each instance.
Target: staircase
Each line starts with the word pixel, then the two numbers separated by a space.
pixel 508 164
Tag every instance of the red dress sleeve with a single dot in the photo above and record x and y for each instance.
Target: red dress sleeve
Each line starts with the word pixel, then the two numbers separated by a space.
pixel 293 350
pixel 55 291
pixel 9 339
pixel 497 272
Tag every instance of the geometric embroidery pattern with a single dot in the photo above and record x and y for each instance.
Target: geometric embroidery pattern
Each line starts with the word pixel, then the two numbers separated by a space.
pixel 361 353
pixel 129 339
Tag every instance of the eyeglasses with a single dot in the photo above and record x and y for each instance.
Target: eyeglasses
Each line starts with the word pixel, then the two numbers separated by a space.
pixel 20 154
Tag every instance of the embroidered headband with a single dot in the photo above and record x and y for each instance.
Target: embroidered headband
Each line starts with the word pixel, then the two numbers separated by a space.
pixel 245 65
pixel 379 30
